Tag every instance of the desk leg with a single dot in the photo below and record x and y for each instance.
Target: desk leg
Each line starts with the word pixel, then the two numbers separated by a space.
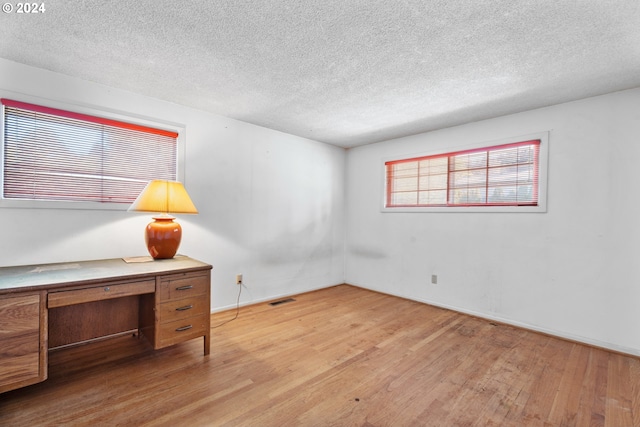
pixel 207 342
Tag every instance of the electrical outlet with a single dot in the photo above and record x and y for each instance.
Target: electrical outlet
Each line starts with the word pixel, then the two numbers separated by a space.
pixel 238 279
pixel 434 279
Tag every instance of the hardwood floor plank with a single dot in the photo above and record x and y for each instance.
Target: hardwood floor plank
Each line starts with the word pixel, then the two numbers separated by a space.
pixel 634 371
pixel 618 404
pixel 341 356
pixel 594 385
pixel 563 408
pixel 543 389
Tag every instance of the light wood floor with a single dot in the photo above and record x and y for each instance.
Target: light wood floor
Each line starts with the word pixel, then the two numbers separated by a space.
pixel 342 356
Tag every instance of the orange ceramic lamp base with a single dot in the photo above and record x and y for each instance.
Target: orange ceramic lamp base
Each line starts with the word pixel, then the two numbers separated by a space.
pixel 163 237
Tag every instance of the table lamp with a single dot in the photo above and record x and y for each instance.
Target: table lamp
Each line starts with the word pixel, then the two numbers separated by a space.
pixel 163 234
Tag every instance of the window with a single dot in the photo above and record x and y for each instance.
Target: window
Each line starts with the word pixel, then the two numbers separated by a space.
pixel 505 175
pixel 57 155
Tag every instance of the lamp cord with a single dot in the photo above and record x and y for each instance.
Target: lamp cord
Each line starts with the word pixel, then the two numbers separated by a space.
pixel 237 310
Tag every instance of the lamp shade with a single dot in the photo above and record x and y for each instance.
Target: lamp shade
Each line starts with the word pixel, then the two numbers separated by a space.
pixel 164 197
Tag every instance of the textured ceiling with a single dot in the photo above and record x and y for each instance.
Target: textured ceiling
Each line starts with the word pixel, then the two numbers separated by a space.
pixel 345 72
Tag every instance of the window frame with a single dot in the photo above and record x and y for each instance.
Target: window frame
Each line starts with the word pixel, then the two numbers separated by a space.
pixel 543 154
pixel 101 113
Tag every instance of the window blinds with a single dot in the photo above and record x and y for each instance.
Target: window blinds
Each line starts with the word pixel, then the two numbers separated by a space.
pixel 505 175
pixel 52 154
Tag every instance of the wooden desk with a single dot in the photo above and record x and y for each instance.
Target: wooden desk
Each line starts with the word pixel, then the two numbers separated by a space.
pixel 55 305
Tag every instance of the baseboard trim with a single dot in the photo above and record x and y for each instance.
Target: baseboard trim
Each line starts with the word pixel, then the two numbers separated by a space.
pixel 553 333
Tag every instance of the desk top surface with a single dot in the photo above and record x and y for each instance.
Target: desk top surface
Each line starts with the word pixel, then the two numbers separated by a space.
pixel 25 277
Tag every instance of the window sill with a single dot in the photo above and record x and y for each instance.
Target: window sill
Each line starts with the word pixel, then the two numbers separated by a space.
pixel 467 209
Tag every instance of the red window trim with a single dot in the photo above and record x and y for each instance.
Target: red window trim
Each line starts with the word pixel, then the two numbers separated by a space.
pixel 472 150
pixel 389 174
pixel 85 117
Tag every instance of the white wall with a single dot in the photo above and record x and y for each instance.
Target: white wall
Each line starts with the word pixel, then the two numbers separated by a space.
pixel 573 271
pixel 271 204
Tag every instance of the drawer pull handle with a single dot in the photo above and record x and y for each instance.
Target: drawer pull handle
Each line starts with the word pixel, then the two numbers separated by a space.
pixel 184 288
pixel 186 307
pixel 107 289
pixel 184 328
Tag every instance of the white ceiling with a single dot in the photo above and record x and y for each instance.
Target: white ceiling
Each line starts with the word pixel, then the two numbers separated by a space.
pixel 345 72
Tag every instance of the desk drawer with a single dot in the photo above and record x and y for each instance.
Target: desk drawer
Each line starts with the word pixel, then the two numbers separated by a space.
pixel 178 287
pixel 22 361
pixel 79 296
pixel 182 309
pixel 182 330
